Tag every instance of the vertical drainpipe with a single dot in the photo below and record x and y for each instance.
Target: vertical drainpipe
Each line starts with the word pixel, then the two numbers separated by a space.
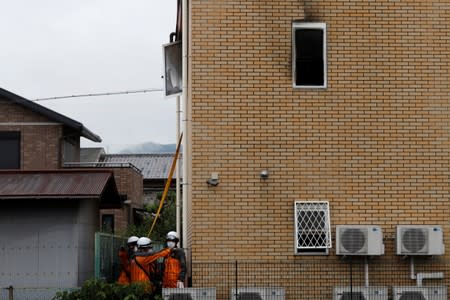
pixel 178 169
pixel 186 122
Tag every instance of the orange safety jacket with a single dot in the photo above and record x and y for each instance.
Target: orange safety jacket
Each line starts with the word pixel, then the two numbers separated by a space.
pixel 124 277
pixel 140 266
pixel 174 268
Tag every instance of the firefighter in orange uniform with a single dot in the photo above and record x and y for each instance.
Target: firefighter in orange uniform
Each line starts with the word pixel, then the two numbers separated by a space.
pixel 174 264
pixel 140 266
pixel 124 258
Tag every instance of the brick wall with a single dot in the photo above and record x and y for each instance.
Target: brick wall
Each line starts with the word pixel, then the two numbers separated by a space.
pixel 129 182
pixel 41 140
pixel 40 137
pixel 375 142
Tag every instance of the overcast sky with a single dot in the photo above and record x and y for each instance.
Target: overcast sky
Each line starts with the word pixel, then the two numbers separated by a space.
pixel 68 47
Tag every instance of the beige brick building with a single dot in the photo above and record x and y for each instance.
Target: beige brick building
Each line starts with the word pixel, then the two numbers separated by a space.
pixel 371 138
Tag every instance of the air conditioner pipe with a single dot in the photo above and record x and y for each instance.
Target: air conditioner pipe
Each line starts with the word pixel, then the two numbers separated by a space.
pixel 366 271
pixel 421 276
pixel 411 268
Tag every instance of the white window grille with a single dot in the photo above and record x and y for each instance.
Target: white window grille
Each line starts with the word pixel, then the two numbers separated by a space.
pixel 312 226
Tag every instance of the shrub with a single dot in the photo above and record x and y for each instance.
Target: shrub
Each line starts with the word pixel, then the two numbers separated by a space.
pixel 94 289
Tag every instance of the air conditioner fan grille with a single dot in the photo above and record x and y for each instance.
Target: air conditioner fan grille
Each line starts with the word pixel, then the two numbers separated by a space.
pixel 352 296
pixel 414 239
pixel 412 296
pixel 353 239
pixel 249 296
pixel 180 296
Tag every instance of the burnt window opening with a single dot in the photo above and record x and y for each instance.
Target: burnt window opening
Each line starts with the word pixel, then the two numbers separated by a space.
pixel 309 55
pixel 9 150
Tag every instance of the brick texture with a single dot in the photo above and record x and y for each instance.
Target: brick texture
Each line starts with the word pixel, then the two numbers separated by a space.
pixel 41 141
pixel 130 183
pixel 375 142
pixel 40 144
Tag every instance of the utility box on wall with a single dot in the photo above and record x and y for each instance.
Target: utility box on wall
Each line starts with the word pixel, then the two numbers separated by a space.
pixel 260 293
pixel 360 293
pixel 359 240
pixel 420 240
pixel 189 294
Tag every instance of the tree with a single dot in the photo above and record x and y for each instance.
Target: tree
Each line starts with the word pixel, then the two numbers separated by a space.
pixel 165 223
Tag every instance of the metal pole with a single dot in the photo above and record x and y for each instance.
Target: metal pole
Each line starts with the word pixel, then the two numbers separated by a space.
pixel 366 271
pixel 178 172
pixel 10 293
pixel 236 280
pixel 186 125
pixel 351 280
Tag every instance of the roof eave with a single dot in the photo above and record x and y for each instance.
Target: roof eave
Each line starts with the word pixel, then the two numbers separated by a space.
pixel 90 135
pixel 53 115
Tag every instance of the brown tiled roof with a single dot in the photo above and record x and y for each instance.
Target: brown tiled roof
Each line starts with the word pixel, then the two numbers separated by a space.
pixel 60 184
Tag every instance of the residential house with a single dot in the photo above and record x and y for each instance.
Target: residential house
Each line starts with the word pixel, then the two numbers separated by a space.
pixel 155 168
pixel 314 114
pixel 49 214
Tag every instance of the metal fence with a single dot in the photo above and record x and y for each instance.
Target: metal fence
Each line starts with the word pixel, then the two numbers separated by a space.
pixel 331 278
pixel 107 265
pixel 30 293
pixel 347 279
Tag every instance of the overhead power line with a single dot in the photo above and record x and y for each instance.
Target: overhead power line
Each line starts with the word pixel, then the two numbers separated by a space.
pixel 100 94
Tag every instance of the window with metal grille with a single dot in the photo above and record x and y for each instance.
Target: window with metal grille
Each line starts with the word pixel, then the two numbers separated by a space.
pixel 312 227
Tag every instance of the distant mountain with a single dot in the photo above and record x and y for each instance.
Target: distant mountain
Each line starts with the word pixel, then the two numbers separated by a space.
pixel 150 147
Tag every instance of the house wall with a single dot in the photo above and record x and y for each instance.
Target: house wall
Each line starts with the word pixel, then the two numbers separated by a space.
pixel 129 182
pixel 40 138
pixel 88 225
pixel 374 143
pixel 47 243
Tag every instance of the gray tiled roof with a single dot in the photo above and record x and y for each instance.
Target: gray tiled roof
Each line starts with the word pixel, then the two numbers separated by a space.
pixel 152 166
pixel 90 155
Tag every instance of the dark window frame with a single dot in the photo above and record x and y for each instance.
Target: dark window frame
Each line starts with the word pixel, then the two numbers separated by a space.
pixel 14 137
pixel 309 60
pixel 108 220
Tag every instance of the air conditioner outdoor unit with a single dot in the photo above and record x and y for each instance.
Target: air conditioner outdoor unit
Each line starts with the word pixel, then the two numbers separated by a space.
pixel 189 294
pixel 360 293
pixel 420 240
pixel 258 293
pixel 419 293
pixel 359 240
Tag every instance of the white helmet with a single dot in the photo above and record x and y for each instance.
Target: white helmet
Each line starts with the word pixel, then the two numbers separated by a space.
pixel 172 236
pixel 144 242
pixel 132 240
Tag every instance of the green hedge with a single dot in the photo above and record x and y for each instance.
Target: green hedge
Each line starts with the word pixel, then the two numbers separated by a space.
pixel 94 289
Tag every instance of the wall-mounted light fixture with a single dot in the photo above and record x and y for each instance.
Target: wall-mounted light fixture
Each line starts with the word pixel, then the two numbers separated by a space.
pixel 264 174
pixel 213 180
